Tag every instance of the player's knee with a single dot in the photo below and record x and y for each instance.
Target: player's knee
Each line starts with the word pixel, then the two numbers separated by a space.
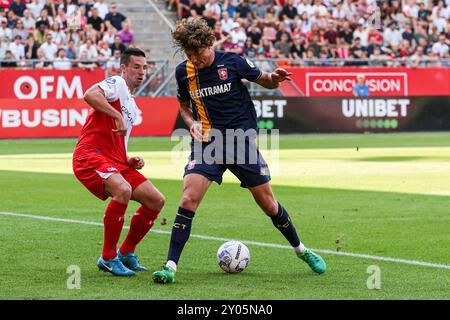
pixel 189 202
pixel 270 207
pixel 160 202
pixel 123 192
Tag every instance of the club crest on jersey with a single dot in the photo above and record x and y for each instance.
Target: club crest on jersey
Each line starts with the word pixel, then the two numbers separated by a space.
pixel 110 80
pixel 191 165
pixel 223 73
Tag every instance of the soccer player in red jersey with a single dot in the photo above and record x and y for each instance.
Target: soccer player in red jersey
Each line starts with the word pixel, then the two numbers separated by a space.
pixel 101 164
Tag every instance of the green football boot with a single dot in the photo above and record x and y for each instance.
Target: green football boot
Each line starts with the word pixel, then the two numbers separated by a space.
pixel 166 275
pixel 314 261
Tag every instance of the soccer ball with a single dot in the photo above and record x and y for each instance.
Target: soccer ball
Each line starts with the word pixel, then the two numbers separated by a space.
pixel 233 256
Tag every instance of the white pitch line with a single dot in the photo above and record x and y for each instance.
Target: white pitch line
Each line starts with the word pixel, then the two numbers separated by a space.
pixel 260 244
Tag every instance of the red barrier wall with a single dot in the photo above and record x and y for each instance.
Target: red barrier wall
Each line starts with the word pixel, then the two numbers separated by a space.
pixel 58 118
pixel 331 81
pixel 47 84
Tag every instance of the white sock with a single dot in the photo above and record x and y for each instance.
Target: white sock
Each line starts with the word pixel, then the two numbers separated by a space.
pixel 299 250
pixel 172 265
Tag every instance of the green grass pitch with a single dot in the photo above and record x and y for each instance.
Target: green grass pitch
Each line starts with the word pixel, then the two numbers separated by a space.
pixel 383 195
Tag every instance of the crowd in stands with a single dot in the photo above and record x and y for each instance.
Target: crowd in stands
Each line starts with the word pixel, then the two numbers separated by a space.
pixel 62 34
pixel 322 32
pixel 88 34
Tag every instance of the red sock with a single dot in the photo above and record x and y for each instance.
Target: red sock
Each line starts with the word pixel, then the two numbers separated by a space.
pixel 140 224
pixel 113 224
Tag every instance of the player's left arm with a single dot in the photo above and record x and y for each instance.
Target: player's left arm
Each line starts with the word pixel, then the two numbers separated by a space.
pixel 271 80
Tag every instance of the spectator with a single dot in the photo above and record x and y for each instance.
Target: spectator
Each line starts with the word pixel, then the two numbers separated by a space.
pixel 42 62
pixel 362 34
pixel 305 7
pixel 113 64
pixel 44 18
pixel 392 35
pixel 237 34
pixel 31 48
pixel 9 61
pixel 71 9
pixel 197 9
pixel 59 37
pixel 62 62
pixel 102 8
pixel 243 9
pixel 361 89
pixel 214 9
pixel 261 9
pixel 61 18
pixel 126 34
pixel 208 17
pixel 50 6
pixel 297 49
pixel 4 31
pixel 20 31
pixel 11 20
pixel 418 59
pixel 49 48
pixel 85 63
pixel 17 48
pixel 118 45
pixel 3 48
pixel 28 21
pixel 269 31
pixel 109 35
pixel 71 51
pixel 40 34
pixel 183 9
pixel 254 33
pixel 96 21
pixel 289 12
pixel 89 49
pixel 440 48
pixel 283 47
pixel 104 51
pixel 311 59
pixel 331 35
pixel 249 49
pixel 227 22
pixel 35 7
pixel 18 7
pixel 377 58
pixel 116 18
pixel 346 34
pixel 357 49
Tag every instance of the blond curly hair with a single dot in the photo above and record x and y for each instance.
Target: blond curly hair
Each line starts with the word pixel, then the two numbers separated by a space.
pixel 192 35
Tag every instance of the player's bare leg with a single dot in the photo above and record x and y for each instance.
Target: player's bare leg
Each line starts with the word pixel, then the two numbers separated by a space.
pixel 195 187
pixel 265 198
pixel 152 201
pixel 120 191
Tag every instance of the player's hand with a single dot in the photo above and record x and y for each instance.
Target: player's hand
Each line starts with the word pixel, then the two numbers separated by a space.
pixel 279 75
pixel 196 131
pixel 121 128
pixel 136 162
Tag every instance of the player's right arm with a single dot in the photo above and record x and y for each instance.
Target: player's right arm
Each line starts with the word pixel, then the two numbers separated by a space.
pixel 183 96
pixel 195 127
pixel 95 97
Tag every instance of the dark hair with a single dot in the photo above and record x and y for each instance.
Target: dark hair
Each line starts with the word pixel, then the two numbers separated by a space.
pixel 194 34
pixel 125 57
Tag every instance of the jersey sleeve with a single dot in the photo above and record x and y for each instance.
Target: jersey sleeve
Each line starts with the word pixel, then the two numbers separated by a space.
pixel 247 69
pixel 182 90
pixel 114 88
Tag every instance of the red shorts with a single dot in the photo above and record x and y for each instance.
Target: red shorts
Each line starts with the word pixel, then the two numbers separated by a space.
pixel 92 168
